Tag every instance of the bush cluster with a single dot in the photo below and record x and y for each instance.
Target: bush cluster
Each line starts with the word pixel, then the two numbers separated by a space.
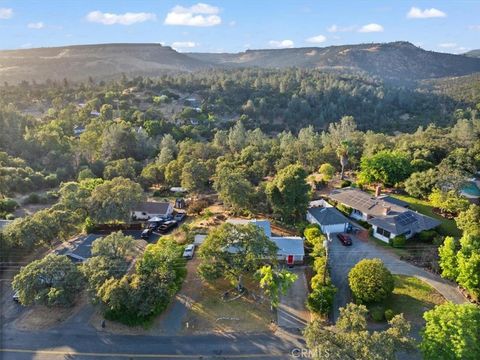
pixel 320 300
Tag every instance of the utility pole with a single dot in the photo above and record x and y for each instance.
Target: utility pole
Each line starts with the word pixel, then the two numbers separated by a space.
pixel 325 245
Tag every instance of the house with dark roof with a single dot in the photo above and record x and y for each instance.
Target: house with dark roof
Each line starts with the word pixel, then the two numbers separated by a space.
pixel 150 209
pixel 388 216
pixel 327 217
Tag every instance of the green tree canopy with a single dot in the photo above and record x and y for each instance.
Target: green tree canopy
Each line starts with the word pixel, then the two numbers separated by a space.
pixel 115 200
pixel 370 281
pixel 387 167
pixel 53 280
pixel 351 340
pixel 275 282
pixel 113 246
pixel 451 332
pixel 288 193
pixel 232 251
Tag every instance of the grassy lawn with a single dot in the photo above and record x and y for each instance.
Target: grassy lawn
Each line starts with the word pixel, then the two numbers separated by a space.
pixel 448 227
pixel 412 297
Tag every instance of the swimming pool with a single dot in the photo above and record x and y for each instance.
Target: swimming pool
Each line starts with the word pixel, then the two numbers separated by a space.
pixel 471 189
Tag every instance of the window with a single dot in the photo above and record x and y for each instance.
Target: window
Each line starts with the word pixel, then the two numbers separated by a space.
pixel 383 232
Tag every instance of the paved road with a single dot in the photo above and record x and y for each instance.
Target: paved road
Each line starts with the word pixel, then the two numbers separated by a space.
pixel 65 344
pixel 343 258
pixel 291 312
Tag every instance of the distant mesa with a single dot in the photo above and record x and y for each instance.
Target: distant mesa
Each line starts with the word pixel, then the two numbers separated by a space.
pixel 397 61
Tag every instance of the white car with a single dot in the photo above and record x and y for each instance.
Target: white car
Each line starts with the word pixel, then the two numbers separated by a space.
pixel 188 252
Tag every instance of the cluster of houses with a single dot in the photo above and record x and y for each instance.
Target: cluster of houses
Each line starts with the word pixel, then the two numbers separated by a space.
pixel 388 217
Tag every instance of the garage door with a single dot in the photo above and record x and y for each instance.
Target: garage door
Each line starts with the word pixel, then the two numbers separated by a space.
pixel 336 228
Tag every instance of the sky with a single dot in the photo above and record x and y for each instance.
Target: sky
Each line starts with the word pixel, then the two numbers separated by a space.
pixel 237 25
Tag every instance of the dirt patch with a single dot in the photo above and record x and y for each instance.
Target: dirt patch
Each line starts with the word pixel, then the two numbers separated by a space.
pixel 209 313
pixel 39 317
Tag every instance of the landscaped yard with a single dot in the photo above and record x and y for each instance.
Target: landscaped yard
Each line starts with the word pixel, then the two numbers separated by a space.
pixel 412 297
pixel 448 226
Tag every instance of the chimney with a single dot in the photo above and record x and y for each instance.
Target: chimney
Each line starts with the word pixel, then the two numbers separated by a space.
pixel 378 191
pixel 386 210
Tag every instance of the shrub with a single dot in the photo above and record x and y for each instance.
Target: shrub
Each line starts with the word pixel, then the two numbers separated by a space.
pixel 389 314
pixel 32 199
pixel 345 183
pixel 370 281
pixel 327 170
pixel 426 236
pixel 313 234
pixel 377 313
pixel 8 205
pixel 344 209
pixel 320 300
pixel 89 225
pixel 51 180
pixel 197 206
pixel 399 241
pixel 9 217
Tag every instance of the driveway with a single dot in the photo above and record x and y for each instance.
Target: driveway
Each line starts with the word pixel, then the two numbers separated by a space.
pixel 291 312
pixel 343 258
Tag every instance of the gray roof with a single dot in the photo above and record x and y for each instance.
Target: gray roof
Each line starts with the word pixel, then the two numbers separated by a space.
pixel 364 202
pixel 152 207
pixel 84 247
pixel 407 221
pixel 4 223
pixel 395 201
pixel 292 245
pixel 327 215
pixel 385 211
pixel 262 224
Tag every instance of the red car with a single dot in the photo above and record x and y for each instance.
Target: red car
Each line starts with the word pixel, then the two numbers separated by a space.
pixel 344 239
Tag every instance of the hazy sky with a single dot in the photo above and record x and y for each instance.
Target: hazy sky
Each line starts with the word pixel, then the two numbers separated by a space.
pixel 237 25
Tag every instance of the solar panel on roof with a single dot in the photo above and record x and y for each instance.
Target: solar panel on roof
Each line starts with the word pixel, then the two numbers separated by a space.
pixel 406 218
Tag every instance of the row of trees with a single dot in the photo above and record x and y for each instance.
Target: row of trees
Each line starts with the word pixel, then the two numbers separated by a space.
pixel 460 260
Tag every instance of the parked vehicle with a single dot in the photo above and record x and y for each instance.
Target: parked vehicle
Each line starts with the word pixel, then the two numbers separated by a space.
pixel 16 297
pixel 179 217
pixel 146 233
pixel 344 239
pixel 189 251
pixel 76 259
pixel 167 226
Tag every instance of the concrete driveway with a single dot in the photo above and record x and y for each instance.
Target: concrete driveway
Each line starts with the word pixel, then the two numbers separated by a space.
pixel 291 312
pixel 343 258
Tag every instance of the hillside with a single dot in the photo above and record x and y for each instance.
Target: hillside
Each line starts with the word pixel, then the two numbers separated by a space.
pixel 394 61
pixel 397 61
pixel 473 53
pixel 98 61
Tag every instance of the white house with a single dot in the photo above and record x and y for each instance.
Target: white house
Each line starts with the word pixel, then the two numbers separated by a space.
pixel 150 209
pixel 388 216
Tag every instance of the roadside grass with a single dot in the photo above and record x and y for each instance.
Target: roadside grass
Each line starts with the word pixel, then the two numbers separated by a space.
pixel 447 227
pixel 412 297
pixel 209 312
